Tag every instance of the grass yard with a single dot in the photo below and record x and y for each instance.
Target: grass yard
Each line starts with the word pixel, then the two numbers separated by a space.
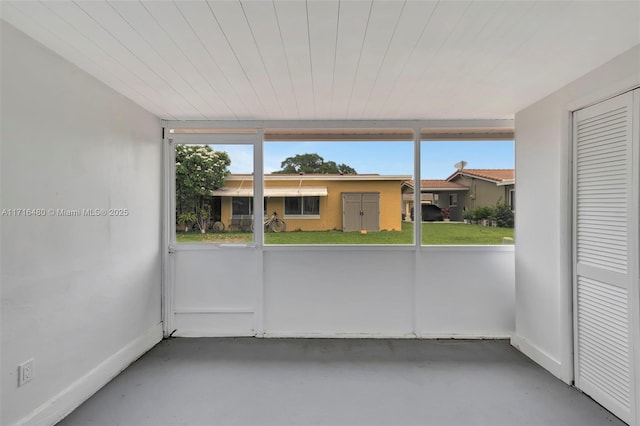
pixel 438 233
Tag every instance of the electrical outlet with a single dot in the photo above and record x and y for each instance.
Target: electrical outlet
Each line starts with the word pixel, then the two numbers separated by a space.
pixel 25 372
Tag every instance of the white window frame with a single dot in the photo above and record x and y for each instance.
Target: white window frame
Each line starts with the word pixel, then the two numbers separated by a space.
pixel 252 133
pixel 453 200
pixel 191 134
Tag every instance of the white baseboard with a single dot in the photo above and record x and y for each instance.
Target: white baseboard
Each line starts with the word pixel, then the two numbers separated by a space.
pixel 479 336
pixel 540 357
pixel 331 335
pixel 189 333
pixel 334 335
pixel 70 398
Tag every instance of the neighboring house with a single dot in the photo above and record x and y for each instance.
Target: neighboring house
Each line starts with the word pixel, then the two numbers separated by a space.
pixel 487 187
pixel 465 189
pixel 318 202
pixel 433 191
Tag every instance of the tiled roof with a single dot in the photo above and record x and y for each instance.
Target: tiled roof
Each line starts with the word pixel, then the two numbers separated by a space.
pixel 496 175
pixel 437 184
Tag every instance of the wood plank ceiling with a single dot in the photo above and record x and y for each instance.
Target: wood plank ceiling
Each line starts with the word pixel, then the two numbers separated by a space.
pixel 330 59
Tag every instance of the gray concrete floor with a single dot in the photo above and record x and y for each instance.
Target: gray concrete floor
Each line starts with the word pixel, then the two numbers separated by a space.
pixel 249 381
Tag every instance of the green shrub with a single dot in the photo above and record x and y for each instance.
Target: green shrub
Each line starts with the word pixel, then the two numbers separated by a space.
pixel 187 220
pixel 503 215
pixel 482 212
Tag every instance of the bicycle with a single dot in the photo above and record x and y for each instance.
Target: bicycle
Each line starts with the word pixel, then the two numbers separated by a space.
pixel 274 223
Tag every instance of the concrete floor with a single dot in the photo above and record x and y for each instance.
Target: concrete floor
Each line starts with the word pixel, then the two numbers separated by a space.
pixel 248 381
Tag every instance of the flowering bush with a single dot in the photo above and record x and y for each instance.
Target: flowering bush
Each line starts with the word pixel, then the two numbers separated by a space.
pixel 199 170
pixel 446 213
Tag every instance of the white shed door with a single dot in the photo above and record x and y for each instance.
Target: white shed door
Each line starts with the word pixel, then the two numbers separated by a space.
pixel 605 254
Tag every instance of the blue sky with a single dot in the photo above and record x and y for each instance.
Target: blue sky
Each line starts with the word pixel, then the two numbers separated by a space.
pixel 389 158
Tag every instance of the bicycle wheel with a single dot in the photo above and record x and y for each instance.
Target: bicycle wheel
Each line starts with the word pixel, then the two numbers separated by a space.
pixel 278 225
pixel 217 226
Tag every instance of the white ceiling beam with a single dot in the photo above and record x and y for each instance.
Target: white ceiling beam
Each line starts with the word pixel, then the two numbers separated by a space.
pixel 340 124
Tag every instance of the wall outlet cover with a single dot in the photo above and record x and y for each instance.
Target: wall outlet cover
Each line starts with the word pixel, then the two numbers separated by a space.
pixel 25 372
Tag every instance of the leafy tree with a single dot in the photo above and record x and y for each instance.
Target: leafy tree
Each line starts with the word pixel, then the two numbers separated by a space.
pixel 199 170
pixel 313 163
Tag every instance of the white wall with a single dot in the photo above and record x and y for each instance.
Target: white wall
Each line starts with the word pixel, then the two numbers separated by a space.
pixel 80 295
pixel 543 222
pixel 345 291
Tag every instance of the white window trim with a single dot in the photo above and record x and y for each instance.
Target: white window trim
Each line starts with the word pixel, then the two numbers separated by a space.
pixel 302 216
pixel 256 138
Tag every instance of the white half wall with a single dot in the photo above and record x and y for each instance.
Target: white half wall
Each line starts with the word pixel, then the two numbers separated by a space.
pixel 81 295
pixel 354 291
pixel 543 259
pixel 218 292
pixel 465 292
pixel 338 293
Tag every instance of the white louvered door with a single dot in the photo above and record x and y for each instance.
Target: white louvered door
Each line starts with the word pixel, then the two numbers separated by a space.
pixel 606 252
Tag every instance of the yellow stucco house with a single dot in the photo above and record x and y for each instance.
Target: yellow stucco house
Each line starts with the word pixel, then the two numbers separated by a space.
pixel 318 202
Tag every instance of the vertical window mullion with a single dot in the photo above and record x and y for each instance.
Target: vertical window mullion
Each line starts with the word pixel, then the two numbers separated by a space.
pixel 417 194
pixel 258 186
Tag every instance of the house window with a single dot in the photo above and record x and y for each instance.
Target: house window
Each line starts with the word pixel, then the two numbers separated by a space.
pixel 302 206
pixel 241 206
pixel 453 200
pixel 512 199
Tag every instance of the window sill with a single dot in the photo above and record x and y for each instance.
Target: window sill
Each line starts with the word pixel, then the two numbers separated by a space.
pixel 301 216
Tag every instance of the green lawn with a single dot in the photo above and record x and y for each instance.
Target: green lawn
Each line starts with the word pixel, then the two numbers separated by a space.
pixel 438 233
